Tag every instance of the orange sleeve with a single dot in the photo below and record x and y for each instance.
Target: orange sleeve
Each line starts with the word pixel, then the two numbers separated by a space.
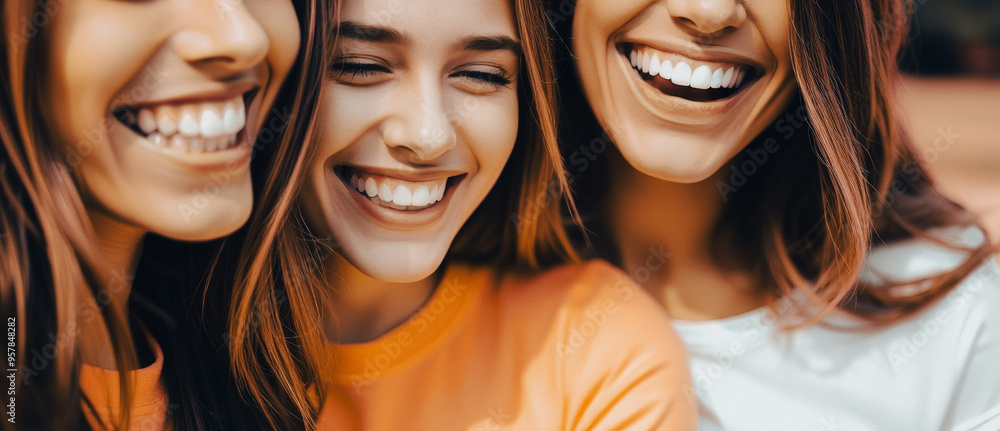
pixel 626 368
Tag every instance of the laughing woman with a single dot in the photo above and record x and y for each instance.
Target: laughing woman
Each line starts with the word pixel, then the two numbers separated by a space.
pixel 438 311
pixel 817 277
pixel 119 120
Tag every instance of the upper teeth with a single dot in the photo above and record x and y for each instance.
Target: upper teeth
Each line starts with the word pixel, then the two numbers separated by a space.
pixel 686 72
pixel 196 127
pixel 401 194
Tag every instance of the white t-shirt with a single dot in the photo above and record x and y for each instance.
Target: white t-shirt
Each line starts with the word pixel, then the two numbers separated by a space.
pixel 939 370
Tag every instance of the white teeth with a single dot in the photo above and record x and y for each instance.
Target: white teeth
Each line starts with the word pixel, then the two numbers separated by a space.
pixel 421 196
pixel 384 193
pixel 178 143
pixel 205 127
pixel 399 194
pixel 188 125
pixel 717 78
pixel 682 74
pixel 402 196
pixel 666 70
pixel 654 65
pixel 701 78
pixel 156 139
pixel 165 121
pixel 727 78
pixel 230 119
pixel 211 123
pixel 147 122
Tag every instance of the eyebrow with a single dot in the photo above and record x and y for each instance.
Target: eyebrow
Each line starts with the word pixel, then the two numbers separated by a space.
pixel 379 34
pixel 371 33
pixel 490 43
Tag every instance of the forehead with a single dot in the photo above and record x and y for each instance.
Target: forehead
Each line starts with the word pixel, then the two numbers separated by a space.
pixel 427 21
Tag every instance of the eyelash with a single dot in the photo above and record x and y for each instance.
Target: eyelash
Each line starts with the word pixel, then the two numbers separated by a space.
pixel 355 69
pixel 368 69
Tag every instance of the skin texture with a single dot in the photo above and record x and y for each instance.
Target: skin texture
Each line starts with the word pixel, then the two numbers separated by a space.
pixel 104 54
pixel 162 52
pixel 427 107
pixel 667 137
pixel 672 151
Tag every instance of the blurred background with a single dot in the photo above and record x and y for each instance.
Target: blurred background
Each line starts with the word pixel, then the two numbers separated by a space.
pixel 951 97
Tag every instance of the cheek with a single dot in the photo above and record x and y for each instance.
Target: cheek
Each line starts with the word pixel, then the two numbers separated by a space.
pixel 282 27
pixel 490 129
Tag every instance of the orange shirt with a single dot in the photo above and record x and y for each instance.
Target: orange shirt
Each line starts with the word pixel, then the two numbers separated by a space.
pixel 149 401
pixel 575 348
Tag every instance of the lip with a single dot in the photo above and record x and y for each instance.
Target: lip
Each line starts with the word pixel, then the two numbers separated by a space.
pixel 695 53
pixel 403 220
pixel 213 92
pixel 676 110
pixel 233 159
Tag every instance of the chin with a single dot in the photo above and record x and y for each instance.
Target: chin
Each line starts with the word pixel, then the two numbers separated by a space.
pixel 406 264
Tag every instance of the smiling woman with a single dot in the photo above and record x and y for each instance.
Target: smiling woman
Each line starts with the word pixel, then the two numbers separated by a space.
pixel 121 120
pixel 810 255
pixel 433 248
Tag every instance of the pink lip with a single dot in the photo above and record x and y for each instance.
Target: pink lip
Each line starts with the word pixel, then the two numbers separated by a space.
pixel 697 53
pixel 231 159
pixel 675 110
pixel 402 220
pixel 213 92
pixel 406 175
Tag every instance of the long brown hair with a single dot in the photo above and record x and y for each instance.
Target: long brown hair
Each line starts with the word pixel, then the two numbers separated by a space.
pixel 519 224
pixel 848 180
pixel 48 258
pixel 50 270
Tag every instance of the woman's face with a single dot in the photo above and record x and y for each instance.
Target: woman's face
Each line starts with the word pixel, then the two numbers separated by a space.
pixel 155 105
pixel 418 118
pixel 682 86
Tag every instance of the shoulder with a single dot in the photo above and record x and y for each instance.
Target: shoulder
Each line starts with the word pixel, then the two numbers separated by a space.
pixel 581 291
pixel 620 357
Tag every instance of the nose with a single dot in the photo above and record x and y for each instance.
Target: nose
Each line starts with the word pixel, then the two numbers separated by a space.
pixel 707 17
pixel 223 34
pixel 420 127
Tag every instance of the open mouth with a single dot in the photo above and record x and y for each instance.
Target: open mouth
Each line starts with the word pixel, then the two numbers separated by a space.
pixel 395 193
pixel 678 76
pixel 201 127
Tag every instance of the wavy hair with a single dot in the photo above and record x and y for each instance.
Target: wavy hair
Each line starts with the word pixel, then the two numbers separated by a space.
pixel 847 181
pixel 519 225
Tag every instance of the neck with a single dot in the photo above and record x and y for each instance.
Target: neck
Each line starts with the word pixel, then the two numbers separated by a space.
pixel 664 232
pixel 363 308
pixel 119 246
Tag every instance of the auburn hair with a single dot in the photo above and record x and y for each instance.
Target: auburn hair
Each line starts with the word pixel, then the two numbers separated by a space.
pixel 847 181
pixel 519 226
pixel 50 266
